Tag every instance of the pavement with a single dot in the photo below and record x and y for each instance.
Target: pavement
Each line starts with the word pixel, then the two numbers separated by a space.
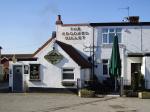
pixel 51 102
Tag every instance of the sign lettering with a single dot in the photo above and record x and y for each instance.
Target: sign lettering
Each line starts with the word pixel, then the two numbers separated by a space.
pixel 75 34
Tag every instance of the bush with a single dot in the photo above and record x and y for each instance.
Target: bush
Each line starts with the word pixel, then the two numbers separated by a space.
pixel 142 82
pixel 138 82
pixel 86 93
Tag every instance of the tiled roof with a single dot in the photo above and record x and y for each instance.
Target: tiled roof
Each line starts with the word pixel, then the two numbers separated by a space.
pixel 121 24
pixel 19 57
pixel 74 54
pixel 110 24
pixel 80 24
pixel 139 54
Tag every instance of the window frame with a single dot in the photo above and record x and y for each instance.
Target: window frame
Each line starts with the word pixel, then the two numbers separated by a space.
pixel 68 72
pixel 26 71
pixel 107 66
pixel 2 72
pixel 2 68
pixel 109 32
pixel 39 77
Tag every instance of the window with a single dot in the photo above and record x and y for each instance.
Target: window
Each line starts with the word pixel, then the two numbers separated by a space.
pixel 1 73
pixel 1 69
pixel 34 71
pixel 108 34
pixel 26 69
pixel 68 74
pixel 105 67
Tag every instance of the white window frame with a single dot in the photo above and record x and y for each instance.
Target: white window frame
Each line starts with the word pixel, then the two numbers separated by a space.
pixel 107 33
pixel 26 69
pixel 107 67
pixel 68 72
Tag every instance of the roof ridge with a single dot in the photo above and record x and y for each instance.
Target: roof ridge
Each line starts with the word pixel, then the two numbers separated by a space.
pixel 44 45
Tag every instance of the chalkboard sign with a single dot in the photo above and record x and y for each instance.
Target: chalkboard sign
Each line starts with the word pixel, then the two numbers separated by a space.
pixel 34 71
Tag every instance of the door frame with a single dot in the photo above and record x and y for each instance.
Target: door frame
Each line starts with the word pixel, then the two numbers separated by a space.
pixel 133 64
pixel 13 76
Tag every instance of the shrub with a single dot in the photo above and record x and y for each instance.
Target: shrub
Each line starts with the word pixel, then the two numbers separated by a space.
pixel 86 93
pixel 130 93
pixel 142 82
pixel 138 82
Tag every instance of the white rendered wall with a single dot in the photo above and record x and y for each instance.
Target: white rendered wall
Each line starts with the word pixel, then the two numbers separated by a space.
pixel 147 72
pixel 78 44
pixel 51 75
pixel 143 66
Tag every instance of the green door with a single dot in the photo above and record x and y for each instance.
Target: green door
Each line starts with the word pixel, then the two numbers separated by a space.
pixel 17 78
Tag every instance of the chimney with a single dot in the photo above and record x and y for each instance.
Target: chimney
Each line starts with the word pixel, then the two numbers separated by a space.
pixel 133 19
pixel 59 22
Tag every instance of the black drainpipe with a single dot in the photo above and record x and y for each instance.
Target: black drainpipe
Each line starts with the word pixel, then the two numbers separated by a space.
pixel 93 64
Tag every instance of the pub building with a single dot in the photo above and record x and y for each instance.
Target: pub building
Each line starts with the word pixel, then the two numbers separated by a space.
pixel 55 66
pixel 78 52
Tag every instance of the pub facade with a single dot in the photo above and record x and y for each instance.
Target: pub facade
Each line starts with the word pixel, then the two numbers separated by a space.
pixel 77 52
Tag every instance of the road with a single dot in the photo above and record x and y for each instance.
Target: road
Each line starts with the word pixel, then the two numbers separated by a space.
pixel 50 102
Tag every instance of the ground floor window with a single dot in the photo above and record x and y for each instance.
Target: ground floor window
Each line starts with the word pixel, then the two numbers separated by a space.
pixel 105 63
pixel 34 71
pixel 68 74
pixel 68 77
pixel 1 73
pixel 26 69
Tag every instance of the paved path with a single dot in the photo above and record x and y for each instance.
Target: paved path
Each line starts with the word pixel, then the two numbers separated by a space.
pixel 48 102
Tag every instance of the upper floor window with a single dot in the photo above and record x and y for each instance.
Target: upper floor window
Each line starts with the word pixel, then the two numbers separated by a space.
pixel 109 33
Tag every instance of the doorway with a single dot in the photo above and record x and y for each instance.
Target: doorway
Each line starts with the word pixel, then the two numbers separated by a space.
pixel 17 78
pixel 135 70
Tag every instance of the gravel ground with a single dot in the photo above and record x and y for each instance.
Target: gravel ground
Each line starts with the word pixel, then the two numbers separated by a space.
pixel 48 102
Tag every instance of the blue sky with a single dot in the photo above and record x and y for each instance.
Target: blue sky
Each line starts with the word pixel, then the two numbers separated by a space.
pixel 26 24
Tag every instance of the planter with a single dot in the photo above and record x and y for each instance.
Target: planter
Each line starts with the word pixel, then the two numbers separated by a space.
pixel 68 83
pixel 144 95
pixel 85 93
pixel 130 93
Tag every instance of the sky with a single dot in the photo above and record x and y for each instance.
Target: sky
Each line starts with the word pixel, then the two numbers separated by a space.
pixel 25 25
